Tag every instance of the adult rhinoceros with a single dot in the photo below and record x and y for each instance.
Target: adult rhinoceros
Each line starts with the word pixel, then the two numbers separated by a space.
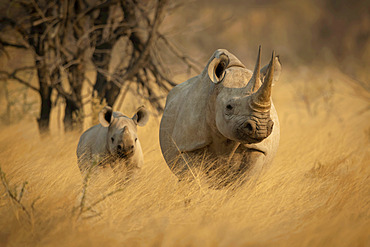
pixel 222 121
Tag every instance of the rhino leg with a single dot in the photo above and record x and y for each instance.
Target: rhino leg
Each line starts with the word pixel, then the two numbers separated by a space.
pixel 84 159
pixel 218 172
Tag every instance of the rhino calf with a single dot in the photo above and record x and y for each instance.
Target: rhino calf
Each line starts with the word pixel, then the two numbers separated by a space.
pixel 224 115
pixel 113 143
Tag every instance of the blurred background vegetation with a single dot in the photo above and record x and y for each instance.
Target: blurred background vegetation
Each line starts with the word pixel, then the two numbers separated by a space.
pixel 71 58
pixel 316 192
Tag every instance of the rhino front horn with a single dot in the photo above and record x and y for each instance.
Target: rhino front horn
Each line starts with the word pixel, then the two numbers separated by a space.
pixel 261 100
pixel 255 81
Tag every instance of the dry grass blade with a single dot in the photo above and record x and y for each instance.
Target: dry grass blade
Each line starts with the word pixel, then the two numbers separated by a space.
pixel 196 178
pixel 101 199
pixel 13 194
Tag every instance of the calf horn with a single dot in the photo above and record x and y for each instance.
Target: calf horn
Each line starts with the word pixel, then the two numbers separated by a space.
pixel 261 100
pixel 255 81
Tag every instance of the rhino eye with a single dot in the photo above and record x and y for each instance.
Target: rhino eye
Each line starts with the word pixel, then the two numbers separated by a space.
pixel 112 139
pixel 229 107
pixel 135 139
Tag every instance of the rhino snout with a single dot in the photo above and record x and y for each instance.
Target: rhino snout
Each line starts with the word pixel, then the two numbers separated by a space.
pixel 125 150
pixel 128 149
pixel 250 127
pixel 270 125
pixel 257 131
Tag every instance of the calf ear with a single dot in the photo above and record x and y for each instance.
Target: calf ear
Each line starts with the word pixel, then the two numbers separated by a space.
pixel 141 116
pixel 105 116
pixel 277 70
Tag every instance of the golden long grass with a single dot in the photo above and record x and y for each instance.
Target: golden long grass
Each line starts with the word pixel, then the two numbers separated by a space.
pixel 316 192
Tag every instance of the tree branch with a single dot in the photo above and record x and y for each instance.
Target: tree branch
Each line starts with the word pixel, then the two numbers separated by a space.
pixel 144 53
pixel 187 60
pixel 14 76
pixel 5 43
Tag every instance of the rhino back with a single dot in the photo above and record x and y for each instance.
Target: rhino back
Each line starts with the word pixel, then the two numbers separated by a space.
pixel 183 125
pixel 174 100
pixel 92 141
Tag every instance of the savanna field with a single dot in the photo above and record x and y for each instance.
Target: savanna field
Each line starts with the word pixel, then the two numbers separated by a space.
pixel 315 193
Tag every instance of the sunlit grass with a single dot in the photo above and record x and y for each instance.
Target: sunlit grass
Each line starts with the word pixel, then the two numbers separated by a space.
pixel 316 193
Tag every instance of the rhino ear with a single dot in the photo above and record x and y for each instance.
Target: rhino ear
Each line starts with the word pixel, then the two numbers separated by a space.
pixel 217 67
pixel 105 116
pixel 277 70
pixel 141 116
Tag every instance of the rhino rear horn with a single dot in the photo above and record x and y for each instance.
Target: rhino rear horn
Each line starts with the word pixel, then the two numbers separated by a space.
pixel 261 100
pixel 106 116
pixel 277 70
pixel 217 67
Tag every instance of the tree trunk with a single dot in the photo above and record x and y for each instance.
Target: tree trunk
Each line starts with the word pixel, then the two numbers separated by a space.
pixel 43 76
pixel 106 89
pixel 44 119
pixel 45 95
pixel 111 93
pixel 73 113
pixel 72 119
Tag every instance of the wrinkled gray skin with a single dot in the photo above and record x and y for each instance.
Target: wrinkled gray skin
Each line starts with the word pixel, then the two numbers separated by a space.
pixel 224 114
pixel 113 143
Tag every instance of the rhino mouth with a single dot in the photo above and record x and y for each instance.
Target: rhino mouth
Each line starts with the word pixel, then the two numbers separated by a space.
pixel 255 148
pixel 122 155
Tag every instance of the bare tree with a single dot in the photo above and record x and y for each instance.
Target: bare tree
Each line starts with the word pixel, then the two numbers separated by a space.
pixel 142 60
pixel 31 36
pixel 65 36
